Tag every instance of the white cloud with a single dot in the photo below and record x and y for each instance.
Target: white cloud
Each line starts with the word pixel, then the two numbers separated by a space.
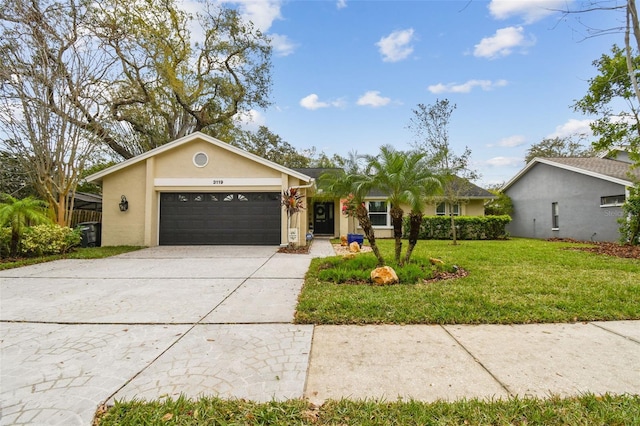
pixel 503 162
pixel 511 141
pixel 261 12
pixel 250 120
pixel 372 98
pixel 572 127
pixel 341 4
pixel 281 44
pixel 466 87
pixel 396 46
pixel 313 102
pixel 530 10
pixel 502 43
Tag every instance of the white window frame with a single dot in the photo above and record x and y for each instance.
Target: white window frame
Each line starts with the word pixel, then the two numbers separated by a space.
pixel 555 216
pixel 387 213
pixel 615 203
pixel 457 209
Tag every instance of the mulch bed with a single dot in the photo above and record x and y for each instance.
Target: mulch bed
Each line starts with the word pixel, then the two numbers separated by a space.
pixel 440 276
pixel 610 249
pixel 295 250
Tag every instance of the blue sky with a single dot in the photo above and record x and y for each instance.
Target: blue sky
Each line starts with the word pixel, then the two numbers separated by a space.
pixel 348 74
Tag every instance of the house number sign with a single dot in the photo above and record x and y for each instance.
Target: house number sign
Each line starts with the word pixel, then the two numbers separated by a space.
pixel 217 182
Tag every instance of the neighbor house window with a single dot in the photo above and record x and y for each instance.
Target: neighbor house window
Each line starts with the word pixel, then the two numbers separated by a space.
pixel 612 200
pixel 444 209
pixel 379 213
pixel 555 214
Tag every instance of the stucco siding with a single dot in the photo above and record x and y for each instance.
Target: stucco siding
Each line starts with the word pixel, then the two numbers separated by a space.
pixel 179 163
pixel 124 228
pixel 174 170
pixel 578 198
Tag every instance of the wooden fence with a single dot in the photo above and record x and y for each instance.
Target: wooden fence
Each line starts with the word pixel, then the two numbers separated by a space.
pixel 79 216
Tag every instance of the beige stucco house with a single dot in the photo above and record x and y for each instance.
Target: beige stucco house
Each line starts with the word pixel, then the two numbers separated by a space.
pixel 325 216
pixel 198 190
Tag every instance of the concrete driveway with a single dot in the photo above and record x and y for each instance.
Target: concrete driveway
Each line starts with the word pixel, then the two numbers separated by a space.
pixel 157 322
pixel 200 321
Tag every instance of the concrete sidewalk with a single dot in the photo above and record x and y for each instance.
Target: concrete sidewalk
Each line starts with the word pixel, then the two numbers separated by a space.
pixel 430 363
pixel 197 321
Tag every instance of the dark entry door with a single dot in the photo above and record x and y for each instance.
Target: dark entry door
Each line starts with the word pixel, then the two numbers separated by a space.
pixel 323 222
pixel 220 218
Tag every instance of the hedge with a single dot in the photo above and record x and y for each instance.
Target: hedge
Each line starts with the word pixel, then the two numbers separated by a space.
pixel 468 227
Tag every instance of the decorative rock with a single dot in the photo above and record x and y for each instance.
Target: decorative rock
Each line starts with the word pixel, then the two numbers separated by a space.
pixel 354 247
pixel 384 275
pixel 343 240
pixel 349 256
pixel 436 261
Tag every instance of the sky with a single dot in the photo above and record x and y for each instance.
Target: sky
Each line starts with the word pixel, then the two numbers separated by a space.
pixel 348 74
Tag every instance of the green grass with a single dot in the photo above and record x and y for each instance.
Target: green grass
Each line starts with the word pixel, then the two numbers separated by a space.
pixel 512 281
pixel 79 253
pixel 584 410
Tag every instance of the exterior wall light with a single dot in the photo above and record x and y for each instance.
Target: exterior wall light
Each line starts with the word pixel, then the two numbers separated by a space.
pixel 124 204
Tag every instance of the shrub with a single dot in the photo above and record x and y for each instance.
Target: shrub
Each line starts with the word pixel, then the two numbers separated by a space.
pixel 49 239
pixel 630 222
pixel 5 242
pixel 468 227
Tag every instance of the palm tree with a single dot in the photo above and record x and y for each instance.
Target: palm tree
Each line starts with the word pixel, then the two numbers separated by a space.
pixel 355 185
pixel 18 213
pixel 406 180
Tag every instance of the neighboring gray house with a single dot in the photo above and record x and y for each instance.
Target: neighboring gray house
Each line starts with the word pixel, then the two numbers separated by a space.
pixel 578 198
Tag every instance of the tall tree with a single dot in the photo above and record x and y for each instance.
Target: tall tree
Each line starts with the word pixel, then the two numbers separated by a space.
pixel 173 82
pixel 430 124
pixel 610 89
pixel 156 81
pixel 622 68
pixel 406 179
pixel 557 147
pixel 47 145
pixel 272 147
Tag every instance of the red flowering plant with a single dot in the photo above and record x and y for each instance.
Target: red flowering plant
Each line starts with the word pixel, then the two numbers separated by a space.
pixel 291 200
pixel 349 207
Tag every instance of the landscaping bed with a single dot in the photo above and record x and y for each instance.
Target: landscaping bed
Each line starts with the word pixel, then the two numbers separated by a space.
pixel 517 281
pixel 602 247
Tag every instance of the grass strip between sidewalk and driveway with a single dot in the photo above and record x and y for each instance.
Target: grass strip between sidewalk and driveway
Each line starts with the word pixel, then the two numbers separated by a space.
pixel 516 281
pixel 78 253
pixel 584 410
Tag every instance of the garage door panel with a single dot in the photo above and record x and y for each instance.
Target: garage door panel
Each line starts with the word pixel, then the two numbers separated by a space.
pixel 220 218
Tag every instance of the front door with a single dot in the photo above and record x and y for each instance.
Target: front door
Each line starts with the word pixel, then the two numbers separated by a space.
pixel 323 218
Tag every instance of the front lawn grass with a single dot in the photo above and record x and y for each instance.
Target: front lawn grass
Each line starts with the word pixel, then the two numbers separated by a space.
pixel 78 253
pixel 509 282
pixel 584 410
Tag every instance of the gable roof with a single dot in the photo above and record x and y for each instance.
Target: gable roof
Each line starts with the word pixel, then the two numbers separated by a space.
pixel 600 168
pixel 97 177
pixel 469 190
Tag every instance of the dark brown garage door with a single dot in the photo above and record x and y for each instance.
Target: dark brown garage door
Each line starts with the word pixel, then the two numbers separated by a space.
pixel 220 218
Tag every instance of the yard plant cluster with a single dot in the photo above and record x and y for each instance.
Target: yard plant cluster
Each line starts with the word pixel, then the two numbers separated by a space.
pixel 467 227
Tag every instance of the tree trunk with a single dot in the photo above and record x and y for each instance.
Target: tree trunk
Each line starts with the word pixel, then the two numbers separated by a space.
pixel 453 227
pixel 415 221
pixel 365 223
pixel 396 220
